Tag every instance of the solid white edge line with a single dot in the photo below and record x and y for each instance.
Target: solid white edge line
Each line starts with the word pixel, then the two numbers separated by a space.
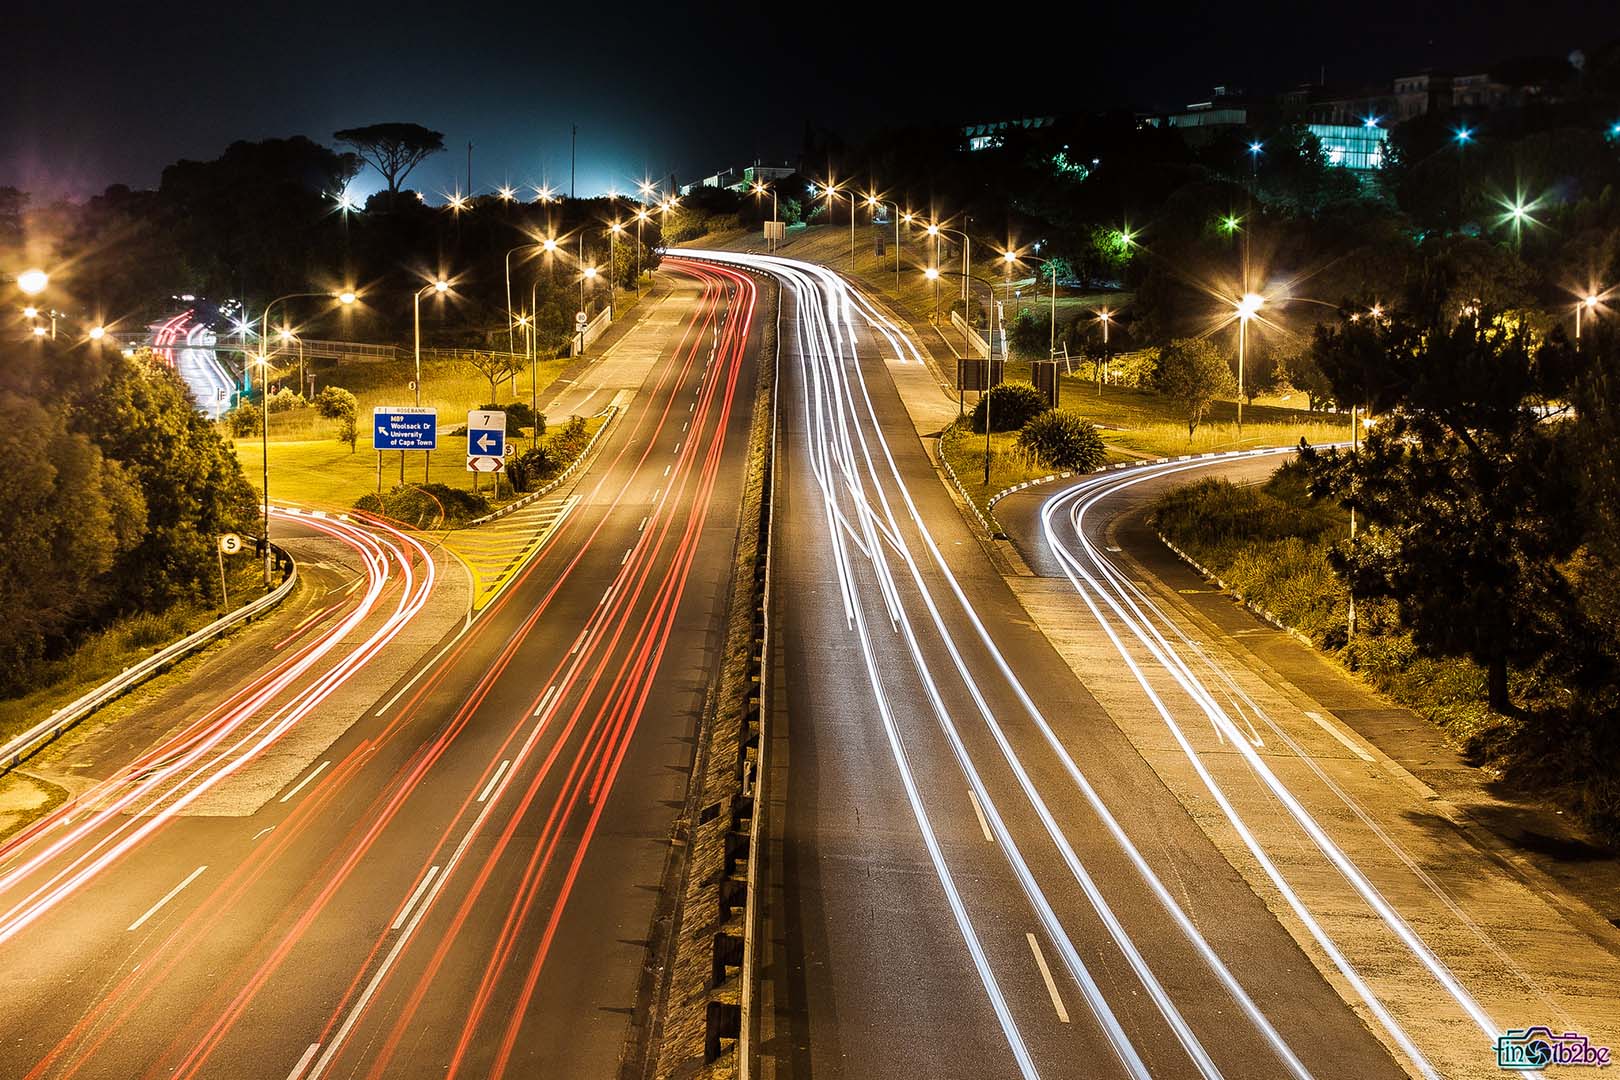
pixel 1046 977
pixel 422 887
pixel 499 772
pixel 170 895
pixel 303 1062
pixel 1344 739
pixel 307 778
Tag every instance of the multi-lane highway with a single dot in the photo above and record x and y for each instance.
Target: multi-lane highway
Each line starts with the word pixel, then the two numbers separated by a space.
pixel 1031 823
pixel 460 879
pixel 982 871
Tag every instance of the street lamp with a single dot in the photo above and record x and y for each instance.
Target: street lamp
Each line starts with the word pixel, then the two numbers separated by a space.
pixel 264 395
pixel 758 190
pixel 935 230
pixel 614 229
pixel 441 286
pixel 1247 308
pixel 33 282
pixel 99 332
pixel 1105 317
pixel 1010 257
pixel 873 202
pixel 932 274
pixel 1589 302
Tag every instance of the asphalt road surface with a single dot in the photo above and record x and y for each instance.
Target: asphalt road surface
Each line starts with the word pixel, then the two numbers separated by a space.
pixel 981 876
pixel 462 882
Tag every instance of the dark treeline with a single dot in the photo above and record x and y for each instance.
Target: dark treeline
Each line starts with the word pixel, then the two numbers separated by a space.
pixel 267 219
pixel 115 489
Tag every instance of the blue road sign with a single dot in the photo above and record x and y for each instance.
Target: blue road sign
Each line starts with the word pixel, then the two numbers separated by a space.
pixel 486 439
pixel 405 428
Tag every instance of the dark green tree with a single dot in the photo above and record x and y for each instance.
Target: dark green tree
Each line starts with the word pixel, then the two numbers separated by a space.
pixel 1193 374
pixel 1465 483
pixel 393 149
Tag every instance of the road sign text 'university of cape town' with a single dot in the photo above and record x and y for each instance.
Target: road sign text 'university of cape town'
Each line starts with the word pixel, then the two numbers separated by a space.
pixel 407 427
pixel 486 441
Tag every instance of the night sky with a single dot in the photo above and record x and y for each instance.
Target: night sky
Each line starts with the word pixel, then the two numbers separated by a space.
pixel 103 93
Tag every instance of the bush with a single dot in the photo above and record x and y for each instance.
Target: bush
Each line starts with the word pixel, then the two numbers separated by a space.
pixel 570 442
pixel 518 416
pixel 245 420
pixel 336 403
pixel 286 400
pixel 1012 405
pixel 425 506
pixel 1063 440
pixel 532 468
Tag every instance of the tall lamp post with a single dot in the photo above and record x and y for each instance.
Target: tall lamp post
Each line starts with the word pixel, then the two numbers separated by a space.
pixel 440 286
pixel 873 202
pixel 614 229
pixel 1011 257
pixel 1589 302
pixel 758 190
pixel 936 230
pixel 264 407
pixel 1247 307
pixel 511 345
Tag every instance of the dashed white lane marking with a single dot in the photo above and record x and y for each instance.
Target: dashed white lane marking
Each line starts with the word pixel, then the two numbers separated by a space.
pixel 607 594
pixel 626 558
pixel 261 832
pixel 1046 975
pixel 667 468
pixel 551 692
pixel 405 912
pixel 978 812
pixel 642 526
pixel 170 895
pixel 1337 734
pixel 499 772
pixel 312 775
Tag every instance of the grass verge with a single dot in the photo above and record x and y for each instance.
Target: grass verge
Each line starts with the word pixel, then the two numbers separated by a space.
pixel 125 642
pixel 1269 544
pixel 1135 424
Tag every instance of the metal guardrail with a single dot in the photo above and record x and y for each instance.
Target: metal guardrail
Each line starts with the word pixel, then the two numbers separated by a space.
pixel 612 412
pixel 981 347
pixel 31 741
pixel 756 792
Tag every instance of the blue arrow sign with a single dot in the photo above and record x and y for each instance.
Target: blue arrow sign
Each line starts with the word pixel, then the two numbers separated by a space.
pixel 486 434
pixel 406 428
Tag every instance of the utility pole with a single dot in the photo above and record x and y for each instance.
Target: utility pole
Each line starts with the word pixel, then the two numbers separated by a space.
pixel 469 169
pixel 573 144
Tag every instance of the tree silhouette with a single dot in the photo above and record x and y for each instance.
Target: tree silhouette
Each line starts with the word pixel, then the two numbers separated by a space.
pixel 392 149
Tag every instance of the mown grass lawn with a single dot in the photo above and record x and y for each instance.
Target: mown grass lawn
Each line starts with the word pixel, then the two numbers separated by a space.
pixel 1136 425
pixel 309 466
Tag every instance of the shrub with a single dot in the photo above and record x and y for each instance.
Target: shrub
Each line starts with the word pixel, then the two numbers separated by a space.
pixel 1012 405
pixel 518 416
pixel 245 420
pixel 532 468
pixel 336 403
pixel 570 442
pixel 1063 440
pixel 425 506
pixel 285 400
